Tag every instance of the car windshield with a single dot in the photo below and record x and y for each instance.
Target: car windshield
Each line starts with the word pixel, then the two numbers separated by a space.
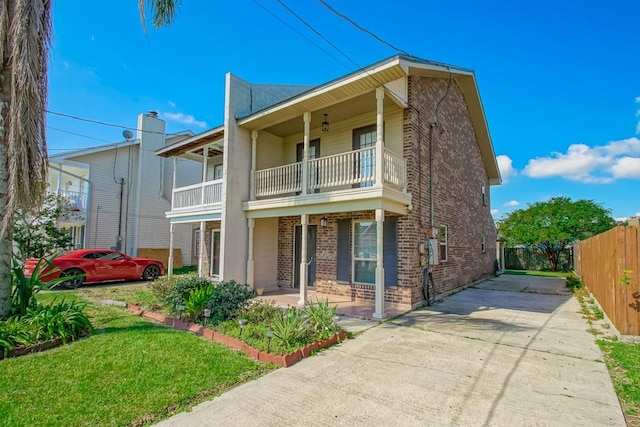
pixel 112 255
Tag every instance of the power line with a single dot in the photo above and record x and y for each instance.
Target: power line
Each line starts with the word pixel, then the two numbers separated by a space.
pixel 82 119
pixel 318 33
pixel 76 134
pixel 364 30
pixel 301 35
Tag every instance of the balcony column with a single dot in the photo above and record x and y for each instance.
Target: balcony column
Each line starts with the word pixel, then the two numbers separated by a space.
pixel 379 299
pixel 303 260
pixel 170 266
pixel 250 263
pixel 203 225
pixel 205 167
pixel 59 181
pixel 174 180
pixel 305 156
pixel 379 137
pixel 252 183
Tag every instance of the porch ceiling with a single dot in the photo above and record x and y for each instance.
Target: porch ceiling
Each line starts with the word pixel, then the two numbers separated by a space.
pixel 195 145
pixel 352 107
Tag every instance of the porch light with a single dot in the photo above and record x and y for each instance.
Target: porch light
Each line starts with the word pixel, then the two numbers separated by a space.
pixel 207 314
pixel 181 310
pixel 323 222
pixel 325 124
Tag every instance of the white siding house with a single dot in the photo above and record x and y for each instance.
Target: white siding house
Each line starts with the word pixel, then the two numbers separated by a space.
pixel 124 190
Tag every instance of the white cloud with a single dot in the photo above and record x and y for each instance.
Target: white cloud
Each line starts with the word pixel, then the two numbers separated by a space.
pixel 591 165
pixel 171 104
pixel 505 164
pixel 186 119
pixel 638 99
pixel 627 167
pixel 511 203
pixel 621 219
pixel 495 211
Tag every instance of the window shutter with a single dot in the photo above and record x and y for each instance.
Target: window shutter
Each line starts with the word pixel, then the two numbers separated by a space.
pixel 343 253
pixel 390 252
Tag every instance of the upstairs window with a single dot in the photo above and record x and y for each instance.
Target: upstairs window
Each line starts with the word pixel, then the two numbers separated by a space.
pixel 443 239
pixel 484 196
pixel 483 243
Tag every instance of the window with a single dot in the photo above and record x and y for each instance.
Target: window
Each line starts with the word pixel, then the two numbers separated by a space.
pixel 483 243
pixel 484 196
pixel 217 172
pixel 364 252
pixel 365 137
pixel 443 239
pixel 196 243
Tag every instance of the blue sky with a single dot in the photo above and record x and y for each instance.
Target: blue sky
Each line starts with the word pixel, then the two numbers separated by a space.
pixel 560 83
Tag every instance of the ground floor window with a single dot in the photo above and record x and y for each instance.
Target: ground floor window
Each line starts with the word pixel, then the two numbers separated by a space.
pixel 364 252
pixel 215 253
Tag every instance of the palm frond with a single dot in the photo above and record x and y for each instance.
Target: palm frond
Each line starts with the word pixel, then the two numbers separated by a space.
pixel 162 12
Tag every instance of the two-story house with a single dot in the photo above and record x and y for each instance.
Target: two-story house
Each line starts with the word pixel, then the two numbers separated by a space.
pixel 120 192
pixel 367 186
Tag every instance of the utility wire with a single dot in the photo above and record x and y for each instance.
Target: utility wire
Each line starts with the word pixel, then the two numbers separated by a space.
pixel 318 33
pixel 76 134
pixel 364 30
pixel 302 35
pixel 82 119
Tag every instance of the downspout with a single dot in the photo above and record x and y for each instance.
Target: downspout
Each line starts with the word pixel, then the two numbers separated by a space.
pixel 119 238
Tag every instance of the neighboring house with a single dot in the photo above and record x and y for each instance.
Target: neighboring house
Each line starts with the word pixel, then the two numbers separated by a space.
pixel 358 187
pixel 122 190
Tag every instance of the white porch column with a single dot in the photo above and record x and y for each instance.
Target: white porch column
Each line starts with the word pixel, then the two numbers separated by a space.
pixel 201 243
pixel 379 310
pixel 59 180
pixel 250 264
pixel 170 266
pixel 205 166
pixel 305 155
pixel 379 137
pixel 173 181
pixel 502 262
pixel 252 182
pixel 303 260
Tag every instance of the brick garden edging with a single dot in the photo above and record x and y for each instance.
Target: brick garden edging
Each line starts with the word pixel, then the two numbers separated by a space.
pixel 41 346
pixel 284 360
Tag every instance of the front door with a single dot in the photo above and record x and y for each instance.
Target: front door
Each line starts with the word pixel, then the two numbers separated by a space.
pixel 311 255
pixel 365 167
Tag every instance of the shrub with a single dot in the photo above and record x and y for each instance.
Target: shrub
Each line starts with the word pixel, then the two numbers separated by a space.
pixel 14 333
pixel 62 319
pixel 319 317
pixel 574 283
pixel 24 288
pixel 181 286
pixel 290 328
pixel 161 288
pixel 197 300
pixel 261 311
pixel 227 299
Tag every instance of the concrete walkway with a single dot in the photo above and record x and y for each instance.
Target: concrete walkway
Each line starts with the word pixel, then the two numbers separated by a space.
pixel 511 351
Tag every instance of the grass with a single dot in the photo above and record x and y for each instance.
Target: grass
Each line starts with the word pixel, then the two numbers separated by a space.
pixel 562 274
pixel 185 270
pixel 129 372
pixel 138 293
pixel 623 361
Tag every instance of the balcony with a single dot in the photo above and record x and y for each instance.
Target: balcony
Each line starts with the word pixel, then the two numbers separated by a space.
pixel 205 196
pixel 341 171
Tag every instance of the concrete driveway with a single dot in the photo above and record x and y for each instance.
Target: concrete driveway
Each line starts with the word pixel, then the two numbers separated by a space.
pixel 510 351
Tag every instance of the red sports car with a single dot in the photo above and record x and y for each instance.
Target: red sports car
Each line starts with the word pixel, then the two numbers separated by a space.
pixel 96 265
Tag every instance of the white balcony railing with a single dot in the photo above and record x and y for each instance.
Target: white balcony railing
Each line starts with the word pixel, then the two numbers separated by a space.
pixel 279 180
pixel 331 172
pixel 77 200
pixel 206 194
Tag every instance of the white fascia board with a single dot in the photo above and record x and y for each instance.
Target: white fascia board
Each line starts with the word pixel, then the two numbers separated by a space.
pixel 92 150
pixel 366 72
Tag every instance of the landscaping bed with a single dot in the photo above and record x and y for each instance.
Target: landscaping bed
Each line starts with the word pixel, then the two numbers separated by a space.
pixel 283 360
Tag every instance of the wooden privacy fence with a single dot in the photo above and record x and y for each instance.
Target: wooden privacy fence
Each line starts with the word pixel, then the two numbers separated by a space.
pixel 535 259
pixel 608 265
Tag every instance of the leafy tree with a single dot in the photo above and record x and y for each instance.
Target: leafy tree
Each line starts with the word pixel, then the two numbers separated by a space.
pixel 36 232
pixel 554 224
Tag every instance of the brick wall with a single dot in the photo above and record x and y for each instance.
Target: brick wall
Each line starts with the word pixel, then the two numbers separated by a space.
pixel 458 176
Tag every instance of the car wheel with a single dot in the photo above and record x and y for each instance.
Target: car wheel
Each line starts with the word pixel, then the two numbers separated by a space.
pixel 151 272
pixel 75 281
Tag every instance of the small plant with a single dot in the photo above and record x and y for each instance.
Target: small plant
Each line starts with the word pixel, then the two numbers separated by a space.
pixel 197 300
pixel 25 288
pixel 60 319
pixel 181 286
pixel 625 280
pixel 290 327
pixel 228 298
pixel 320 318
pixel 261 311
pixel 574 283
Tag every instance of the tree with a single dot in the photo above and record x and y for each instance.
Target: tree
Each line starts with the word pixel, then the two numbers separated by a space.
pixel 555 224
pixel 25 37
pixel 36 232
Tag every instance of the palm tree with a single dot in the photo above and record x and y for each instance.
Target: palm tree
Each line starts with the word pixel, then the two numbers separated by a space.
pixel 162 11
pixel 25 37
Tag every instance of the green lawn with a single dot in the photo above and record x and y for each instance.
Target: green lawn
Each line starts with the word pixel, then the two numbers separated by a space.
pixel 538 273
pixel 131 293
pixel 130 371
pixel 623 361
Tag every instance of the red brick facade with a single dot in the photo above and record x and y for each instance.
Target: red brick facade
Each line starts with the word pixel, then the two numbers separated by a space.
pixel 458 177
